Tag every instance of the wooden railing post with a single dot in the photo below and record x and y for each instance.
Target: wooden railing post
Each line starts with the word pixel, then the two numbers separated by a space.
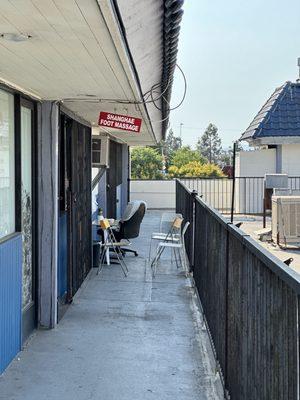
pixel 226 394
pixel 194 194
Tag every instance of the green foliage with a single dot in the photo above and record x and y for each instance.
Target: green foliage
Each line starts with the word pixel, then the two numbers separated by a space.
pixel 195 169
pixel 146 163
pixel 185 155
pixel 209 145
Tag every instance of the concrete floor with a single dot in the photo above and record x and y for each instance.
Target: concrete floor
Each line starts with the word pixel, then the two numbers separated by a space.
pixel 122 338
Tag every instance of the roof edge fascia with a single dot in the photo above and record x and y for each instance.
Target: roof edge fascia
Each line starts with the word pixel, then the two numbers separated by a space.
pixel 112 17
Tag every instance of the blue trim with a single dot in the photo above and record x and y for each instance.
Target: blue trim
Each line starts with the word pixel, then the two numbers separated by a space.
pixel 10 299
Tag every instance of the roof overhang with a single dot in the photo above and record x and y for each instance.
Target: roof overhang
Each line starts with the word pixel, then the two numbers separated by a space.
pixel 152 30
pixel 81 55
pixel 273 140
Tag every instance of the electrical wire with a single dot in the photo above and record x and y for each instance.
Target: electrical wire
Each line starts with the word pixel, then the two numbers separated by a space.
pixel 185 89
pixel 178 105
pixel 146 95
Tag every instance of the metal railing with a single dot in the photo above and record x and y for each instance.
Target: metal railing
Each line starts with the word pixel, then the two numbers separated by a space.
pixel 249 192
pixel 217 192
pixel 250 300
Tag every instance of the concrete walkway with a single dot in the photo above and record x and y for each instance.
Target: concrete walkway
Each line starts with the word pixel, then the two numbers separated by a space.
pixel 122 338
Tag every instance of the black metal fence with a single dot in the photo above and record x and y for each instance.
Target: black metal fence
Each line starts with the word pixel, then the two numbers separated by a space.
pixel 249 191
pixel 251 305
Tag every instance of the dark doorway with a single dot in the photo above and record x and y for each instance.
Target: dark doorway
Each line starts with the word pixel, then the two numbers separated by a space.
pixel 114 178
pixel 63 218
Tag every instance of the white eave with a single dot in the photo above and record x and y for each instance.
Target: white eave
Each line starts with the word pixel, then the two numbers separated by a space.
pixel 143 22
pixel 274 140
pixel 77 55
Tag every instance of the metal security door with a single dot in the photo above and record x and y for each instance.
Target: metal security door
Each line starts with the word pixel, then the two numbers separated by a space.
pixel 80 204
pixel 63 217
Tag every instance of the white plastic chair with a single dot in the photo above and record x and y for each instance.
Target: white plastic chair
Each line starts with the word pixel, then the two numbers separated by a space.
pixel 166 222
pixel 177 246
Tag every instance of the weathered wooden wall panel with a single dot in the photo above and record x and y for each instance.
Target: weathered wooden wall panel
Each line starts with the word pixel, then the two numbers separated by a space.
pixel 47 172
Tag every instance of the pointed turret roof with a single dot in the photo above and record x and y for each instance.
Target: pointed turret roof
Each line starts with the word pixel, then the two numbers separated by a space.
pixel 279 116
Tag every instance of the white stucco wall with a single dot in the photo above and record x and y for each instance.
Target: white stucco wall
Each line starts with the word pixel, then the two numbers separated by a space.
pixel 291 159
pixel 256 163
pixel 249 192
pixel 160 194
pixel 157 194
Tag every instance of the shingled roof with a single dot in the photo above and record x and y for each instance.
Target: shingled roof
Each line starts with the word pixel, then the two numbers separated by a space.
pixel 280 115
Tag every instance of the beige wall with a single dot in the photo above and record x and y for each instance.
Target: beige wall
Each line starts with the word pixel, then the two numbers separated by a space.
pixel 157 194
pixel 161 194
pixel 256 162
pixel 291 159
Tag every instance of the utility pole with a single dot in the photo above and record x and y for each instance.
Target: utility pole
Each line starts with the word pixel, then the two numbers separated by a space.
pixel 233 182
pixel 181 125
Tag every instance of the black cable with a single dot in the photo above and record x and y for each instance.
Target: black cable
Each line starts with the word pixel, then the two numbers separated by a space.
pixel 183 97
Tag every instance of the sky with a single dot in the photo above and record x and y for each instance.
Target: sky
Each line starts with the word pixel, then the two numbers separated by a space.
pixel 234 54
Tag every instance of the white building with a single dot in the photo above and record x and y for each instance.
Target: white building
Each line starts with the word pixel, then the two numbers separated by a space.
pixel 274 135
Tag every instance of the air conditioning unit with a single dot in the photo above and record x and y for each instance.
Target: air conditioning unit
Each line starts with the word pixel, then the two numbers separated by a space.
pixel 100 151
pixel 279 181
pixel 286 220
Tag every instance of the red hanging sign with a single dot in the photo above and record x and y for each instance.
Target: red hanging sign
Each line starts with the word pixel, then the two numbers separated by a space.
pixel 118 121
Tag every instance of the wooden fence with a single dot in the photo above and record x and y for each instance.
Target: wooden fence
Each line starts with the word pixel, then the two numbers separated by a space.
pixel 250 300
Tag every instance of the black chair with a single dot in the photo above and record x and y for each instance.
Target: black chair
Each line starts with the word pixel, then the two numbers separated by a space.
pixel 129 228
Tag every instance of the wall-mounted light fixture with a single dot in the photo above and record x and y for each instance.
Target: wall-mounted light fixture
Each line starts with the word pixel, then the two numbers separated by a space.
pixel 15 37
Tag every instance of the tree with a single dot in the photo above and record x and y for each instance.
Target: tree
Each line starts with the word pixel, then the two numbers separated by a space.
pixel 146 163
pixel 226 156
pixel 185 155
pixel 172 143
pixel 209 145
pixel 168 146
pixel 195 169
